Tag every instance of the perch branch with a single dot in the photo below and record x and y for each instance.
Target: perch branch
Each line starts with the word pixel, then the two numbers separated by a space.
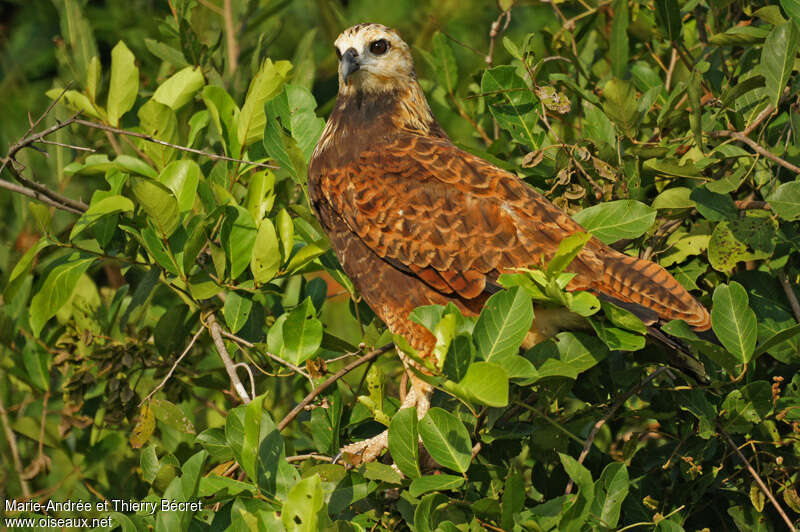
pixel 276 358
pixel 603 420
pixel 12 445
pixel 215 330
pixel 757 478
pixel 149 138
pixel 756 147
pixel 175 365
pixel 38 196
pixel 790 295
pixel 332 379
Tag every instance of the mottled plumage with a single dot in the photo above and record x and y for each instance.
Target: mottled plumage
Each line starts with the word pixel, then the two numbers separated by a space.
pixel 415 220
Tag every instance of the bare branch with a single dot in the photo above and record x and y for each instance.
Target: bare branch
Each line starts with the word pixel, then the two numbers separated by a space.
pixel 19 189
pixel 175 365
pixel 790 295
pixel 603 420
pixel 12 445
pixel 230 367
pixel 149 138
pixel 312 456
pixel 756 147
pixel 757 478
pixel 276 358
pixel 332 379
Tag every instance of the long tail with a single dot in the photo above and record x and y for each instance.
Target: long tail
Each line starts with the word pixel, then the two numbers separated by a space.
pixel 646 288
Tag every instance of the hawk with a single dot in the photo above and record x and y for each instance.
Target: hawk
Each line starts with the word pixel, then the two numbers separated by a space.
pixel 414 220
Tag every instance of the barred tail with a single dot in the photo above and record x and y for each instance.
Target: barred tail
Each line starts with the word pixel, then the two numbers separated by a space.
pixel 648 286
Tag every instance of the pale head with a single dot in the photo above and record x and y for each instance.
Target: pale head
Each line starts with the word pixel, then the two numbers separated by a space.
pixel 373 58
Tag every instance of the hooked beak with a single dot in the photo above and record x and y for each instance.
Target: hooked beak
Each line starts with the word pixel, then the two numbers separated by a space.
pixel 349 63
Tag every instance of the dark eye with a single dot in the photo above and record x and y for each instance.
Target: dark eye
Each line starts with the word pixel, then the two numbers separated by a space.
pixel 379 47
pixel 338 53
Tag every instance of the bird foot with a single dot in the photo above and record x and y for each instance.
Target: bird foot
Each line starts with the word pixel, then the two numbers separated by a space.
pixel 370 449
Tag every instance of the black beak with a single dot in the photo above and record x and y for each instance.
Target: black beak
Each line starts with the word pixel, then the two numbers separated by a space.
pixel 349 63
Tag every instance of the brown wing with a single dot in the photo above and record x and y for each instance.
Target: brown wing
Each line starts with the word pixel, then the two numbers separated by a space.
pixel 457 222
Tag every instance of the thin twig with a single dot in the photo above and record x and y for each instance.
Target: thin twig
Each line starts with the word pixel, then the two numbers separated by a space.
pixel 741 137
pixel 274 357
pixel 603 420
pixel 332 379
pixel 757 478
pixel 790 295
pixel 149 138
pixel 230 367
pixel 12 445
pixel 313 456
pixel 230 37
pixel 25 191
pixel 249 374
pixel 175 365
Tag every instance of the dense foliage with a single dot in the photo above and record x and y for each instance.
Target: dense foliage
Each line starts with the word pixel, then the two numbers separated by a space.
pixel 670 129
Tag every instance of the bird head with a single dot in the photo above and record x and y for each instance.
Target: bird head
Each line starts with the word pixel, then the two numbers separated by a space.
pixel 373 58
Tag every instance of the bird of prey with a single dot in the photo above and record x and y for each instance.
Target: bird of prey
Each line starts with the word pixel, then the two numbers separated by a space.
pixel 415 220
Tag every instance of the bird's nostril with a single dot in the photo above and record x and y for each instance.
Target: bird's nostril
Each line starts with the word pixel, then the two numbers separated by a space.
pixel 352 52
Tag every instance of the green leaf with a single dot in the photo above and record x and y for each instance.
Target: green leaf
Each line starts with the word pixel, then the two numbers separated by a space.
pixel 748 238
pixel 77 101
pixel 56 290
pixel 621 104
pixel 267 83
pixel 778 57
pixel 20 271
pixel 777 339
pixel 171 415
pixel 792 8
pixel 304 509
pixel 238 235
pixel 618 43
pixel 503 323
pixel 617 220
pixel 567 250
pixel 446 439
pixel 785 201
pixel 744 407
pixel 236 311
pixel 97 209
pixel 225 115
pixel 37 365
pixel 486 383
pixel 93 73
pixel 160 122
pixel 446 69
pixel 610 491
pixel 158 202
pixel 180 88
pixel 286 230
pixel 460 354
pixel 302 333
pixel 134 165
pixel 266 256
pixel 668 16
pixel 426 484
pixel 673 198
pixel 576 513
pixel 182 177
pixel 623 318
pixel 124 84
pixel 404 441
pixel 733 321
pixel 512 104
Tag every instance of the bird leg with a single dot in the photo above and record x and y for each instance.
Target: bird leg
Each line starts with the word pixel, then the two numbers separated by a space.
pixel 419 396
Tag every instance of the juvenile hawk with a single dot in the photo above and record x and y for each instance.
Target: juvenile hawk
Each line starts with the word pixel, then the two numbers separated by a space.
pixel 416 221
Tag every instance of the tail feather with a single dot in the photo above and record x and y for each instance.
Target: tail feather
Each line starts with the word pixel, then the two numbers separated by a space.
pixel 642 283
